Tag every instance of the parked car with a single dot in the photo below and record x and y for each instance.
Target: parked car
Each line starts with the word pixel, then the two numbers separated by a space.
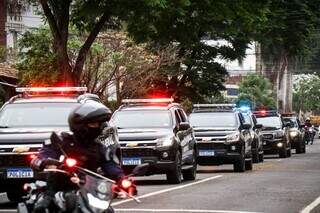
pixel 156 131
pixel 223 136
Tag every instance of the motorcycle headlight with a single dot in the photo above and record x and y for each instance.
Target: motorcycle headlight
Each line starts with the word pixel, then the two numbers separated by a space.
pixel 166 141
pixel 279 134
pixel 97 203
pixel 252 134
pixel 293 134
pixel 233 137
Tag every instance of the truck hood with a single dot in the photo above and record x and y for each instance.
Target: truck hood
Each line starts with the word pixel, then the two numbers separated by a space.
pixel 26 135
pixel 145 134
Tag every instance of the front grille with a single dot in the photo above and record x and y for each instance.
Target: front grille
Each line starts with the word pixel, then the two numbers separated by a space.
pixel 137 152
pixel 211 146
pixel 139 144
pixel 14 160
pixel 267 136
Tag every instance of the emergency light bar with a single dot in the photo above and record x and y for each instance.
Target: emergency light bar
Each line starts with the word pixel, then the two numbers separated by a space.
pixel 214 105
pixel 151 100
pixel 51 89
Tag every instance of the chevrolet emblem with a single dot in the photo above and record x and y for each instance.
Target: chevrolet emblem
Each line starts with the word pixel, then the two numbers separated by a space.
pixel 132 144
pixel 21 149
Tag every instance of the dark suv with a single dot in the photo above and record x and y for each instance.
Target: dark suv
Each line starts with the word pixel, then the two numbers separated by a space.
pixel 296 133
pixel 26 121
pixel 256 135
pixel 275 133
pixel 223 136
pixel 156 131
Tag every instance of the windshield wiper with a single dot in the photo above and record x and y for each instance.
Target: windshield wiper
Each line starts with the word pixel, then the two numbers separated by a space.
pixel 4 126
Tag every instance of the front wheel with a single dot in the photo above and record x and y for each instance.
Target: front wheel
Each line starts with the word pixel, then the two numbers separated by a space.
pixel 190 174
pixel 239 166
pixel 175 176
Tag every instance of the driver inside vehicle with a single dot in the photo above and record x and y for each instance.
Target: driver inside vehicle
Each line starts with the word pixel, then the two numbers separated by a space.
pixel 86 122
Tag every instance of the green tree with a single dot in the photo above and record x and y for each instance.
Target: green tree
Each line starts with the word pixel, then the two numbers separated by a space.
pixel 286 35
pixel 306 93
pixel 192 25
pixel 257 90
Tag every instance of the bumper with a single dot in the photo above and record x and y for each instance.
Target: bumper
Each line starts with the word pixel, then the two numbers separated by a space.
pixel 273 146
pixel 161 160
pixel 217 153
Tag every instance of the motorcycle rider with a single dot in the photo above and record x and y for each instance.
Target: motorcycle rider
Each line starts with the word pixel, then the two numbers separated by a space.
pixel 310 135
pixel 86 123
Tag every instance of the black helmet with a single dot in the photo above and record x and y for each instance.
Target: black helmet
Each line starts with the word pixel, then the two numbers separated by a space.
pixel 82 117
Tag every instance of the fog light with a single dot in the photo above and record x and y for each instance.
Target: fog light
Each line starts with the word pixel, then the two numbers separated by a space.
pixel 165 154
pixel 233 148
pixel 279 145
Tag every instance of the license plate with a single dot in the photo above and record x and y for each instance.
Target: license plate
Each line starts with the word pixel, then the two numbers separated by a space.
pixel 20 173
pixel 206 153
pixel 131 161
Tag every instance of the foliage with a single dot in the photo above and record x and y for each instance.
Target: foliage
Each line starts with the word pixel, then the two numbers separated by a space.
pixel 306 93
pixel 257 90
pixel 37 60
pixel 191 25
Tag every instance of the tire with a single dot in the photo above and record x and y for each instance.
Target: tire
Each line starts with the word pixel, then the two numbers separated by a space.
pixel 289 151
pixel 239 166
pixel 261 157
pixel 15 196
pixel 191 174
pixel 303 149
pixel 255 156
pixel 175 176
pixel 283 153
pixel 248 164
pixel 299 148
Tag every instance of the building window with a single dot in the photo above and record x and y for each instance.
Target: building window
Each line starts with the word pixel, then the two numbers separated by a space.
pixel 232 92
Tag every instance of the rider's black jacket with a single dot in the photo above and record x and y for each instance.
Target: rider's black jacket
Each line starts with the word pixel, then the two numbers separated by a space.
pixel 91 155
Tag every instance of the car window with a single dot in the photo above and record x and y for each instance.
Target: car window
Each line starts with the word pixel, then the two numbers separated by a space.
pixel 36 114
pixel 177 116
pixel 272 121
pixel 182 115
pixel 247 119
pixel 142 119
pixel 213 119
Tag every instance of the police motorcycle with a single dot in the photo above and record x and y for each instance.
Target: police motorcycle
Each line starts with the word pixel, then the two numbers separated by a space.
pixel 309 134
pixel 94 193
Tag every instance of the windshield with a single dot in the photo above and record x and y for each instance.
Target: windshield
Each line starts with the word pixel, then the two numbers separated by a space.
pixel 36 115
pixel 291 120
pixel 142 119
pixel 213 120
pixel 273 121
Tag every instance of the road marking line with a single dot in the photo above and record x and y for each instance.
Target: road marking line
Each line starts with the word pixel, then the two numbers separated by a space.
pixel 181 210
pixel 311 206
pixel 8 210
pixel 279 160
pixel 168 190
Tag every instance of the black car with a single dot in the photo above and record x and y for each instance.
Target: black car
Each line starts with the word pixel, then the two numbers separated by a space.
pixel 156 131
pixel 26 122
pixel 275 133
pixel 223 136
pixel 255 132
pixel 296 133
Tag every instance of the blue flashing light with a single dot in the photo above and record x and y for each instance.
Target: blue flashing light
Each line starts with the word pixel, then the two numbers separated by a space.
pixel 244 108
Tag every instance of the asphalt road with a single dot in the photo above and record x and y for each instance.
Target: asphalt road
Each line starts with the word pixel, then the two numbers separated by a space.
pixel 277 186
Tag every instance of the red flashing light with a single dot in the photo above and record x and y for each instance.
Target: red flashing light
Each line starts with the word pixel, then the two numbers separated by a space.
pixel 263 112
pixel 126 183
pixel 26 186
pixel 71 162
pixel 33 156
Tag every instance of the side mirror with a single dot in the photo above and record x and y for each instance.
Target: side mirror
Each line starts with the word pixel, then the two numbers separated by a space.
pixel 259 126
pixel 246 126
pixel 184 126
pixel 140 170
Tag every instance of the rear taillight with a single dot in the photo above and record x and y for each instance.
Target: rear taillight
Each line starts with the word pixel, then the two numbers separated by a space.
pixel 32 156
pixel 70 162
pixel 126 183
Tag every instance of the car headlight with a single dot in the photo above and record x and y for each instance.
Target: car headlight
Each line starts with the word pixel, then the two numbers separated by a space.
pixel 279 134
pixel 252 134
pixel 233 137
pixel 97 203
pixel 293 134
pixel 166 141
